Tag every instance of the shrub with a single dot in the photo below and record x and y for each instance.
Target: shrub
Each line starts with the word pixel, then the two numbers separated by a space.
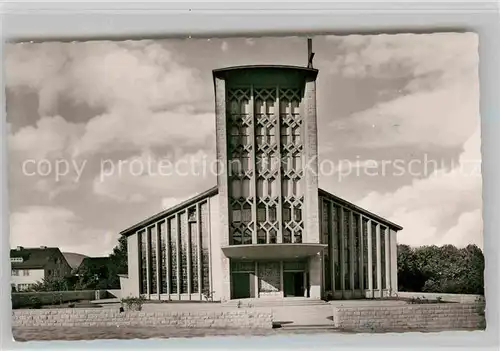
pixel 133 303
pixel 35 302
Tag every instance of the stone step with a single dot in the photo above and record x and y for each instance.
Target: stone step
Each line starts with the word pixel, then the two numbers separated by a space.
pixel 274 302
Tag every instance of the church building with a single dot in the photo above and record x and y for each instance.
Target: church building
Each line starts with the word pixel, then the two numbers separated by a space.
pixel 266 230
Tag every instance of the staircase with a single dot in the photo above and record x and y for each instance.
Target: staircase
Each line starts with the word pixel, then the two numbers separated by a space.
pixel 274 302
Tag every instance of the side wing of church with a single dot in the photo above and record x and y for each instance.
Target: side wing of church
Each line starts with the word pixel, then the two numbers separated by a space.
pixel 266 230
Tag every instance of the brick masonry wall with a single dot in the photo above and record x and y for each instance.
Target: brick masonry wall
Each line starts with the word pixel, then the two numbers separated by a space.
pixel 447 316
pixel 24 299
pixel 73 317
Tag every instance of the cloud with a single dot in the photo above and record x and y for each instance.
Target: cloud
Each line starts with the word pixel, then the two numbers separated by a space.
pixel 102 74
pixel 35 226
pixel 134 130
pixel 441 117
pixel 443 208
pixel 146 176
pixel 51 137
pixel 438 106
pixel 426 58
pixel 169 202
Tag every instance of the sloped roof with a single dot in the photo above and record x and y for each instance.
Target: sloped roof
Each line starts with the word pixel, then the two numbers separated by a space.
pixel 34 258
pixel 213 191
pixel 74 259
pixel 94 262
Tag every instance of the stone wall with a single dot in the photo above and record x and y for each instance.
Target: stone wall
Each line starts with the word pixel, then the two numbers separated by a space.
pixel 26 299
pixel 434 316
pixel 72 317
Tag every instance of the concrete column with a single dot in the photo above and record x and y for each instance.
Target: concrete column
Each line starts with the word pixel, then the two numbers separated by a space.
pixel 222 181
pixel 188 253
pixel 158 260
pixel 133 259
pixel 394 261
pixel 370 258
pixel 352 251
pixel 168 258
pixel 379 262
pixel 148 263
pixel 387 243
pixel 311 203
pixel 178 254
pixel 256 279
pixel 315 269
pixel 198 250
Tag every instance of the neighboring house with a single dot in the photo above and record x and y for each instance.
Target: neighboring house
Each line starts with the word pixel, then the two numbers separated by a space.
pixel 32 265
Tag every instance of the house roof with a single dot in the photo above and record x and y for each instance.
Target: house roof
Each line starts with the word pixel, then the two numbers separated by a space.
pixel 74 259
pixel 214 190
pixel 33 257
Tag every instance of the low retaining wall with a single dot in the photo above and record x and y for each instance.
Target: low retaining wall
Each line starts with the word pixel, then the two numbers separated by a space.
pixel 435 316
pixel 460 298
pixel 26 299
pixel 68 317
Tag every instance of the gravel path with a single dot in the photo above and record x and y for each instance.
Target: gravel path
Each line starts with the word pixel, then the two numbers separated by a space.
pixel 91 333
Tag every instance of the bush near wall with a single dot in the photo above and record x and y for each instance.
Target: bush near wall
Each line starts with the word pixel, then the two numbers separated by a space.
pixel 37 299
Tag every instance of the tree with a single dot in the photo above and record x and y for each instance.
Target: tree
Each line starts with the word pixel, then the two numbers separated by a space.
pixel 444 269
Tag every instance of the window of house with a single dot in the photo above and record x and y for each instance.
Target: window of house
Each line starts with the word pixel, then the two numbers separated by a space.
pixel 26 272
pixel 15 272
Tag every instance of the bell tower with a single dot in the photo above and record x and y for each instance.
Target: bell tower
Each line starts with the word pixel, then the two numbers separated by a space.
pixel 267 156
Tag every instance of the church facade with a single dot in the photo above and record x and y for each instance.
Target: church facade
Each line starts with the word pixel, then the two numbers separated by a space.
pixel 266 230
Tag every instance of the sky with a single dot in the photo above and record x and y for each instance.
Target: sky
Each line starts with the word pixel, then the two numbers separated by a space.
pixel 398 120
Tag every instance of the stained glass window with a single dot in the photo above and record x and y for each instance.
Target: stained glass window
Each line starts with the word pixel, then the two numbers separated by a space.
pixel 347 249
pixel 143 251
pixel 365 253
pixel 193 232
pixel 357 249
pixel 374 256
pixel 174 258
pixel 183 253
pixel 205 241
pixel 153 256
pixel 337 235
pixel 163 259
pixel 382 256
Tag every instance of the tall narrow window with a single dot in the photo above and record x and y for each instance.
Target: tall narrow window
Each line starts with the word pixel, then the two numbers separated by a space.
pixel 183 253
pixel 162 269
pixel 382 257
pixel 357 248
pixel 365 253
pixel 205 244
pixel 337 235
pixel 374 256
pixel 174 254
pixel 152 263
pixel 347 251
pixel 193 240
pixel 143 251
